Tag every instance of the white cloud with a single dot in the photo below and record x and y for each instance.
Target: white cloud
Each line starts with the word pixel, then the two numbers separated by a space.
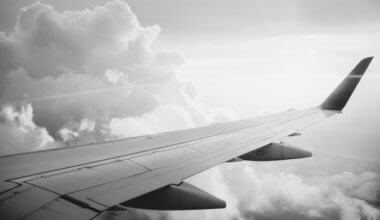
pixel 363 186
pixel 161 119
pixel 50 42
pixel 254 194
pixel 18 132
pixel 74 133
pixel 93 75
pixel 283 195
pixel 96 65
pixel 115 76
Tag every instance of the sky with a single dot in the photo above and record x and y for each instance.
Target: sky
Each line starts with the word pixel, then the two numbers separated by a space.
pixel 77 72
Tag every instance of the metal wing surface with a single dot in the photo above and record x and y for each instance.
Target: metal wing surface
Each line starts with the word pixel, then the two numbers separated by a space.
pixel 147 172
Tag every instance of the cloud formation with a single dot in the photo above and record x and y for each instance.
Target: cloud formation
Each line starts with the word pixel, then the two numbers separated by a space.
pixel 77 77
pixel 251 194
pixel 259 195
pixel 95 67
pixel 18 132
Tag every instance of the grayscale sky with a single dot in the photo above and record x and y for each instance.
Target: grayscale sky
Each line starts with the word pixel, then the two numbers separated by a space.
pixel 81 71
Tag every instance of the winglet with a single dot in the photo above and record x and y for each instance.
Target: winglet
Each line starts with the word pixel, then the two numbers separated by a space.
pixel 339 97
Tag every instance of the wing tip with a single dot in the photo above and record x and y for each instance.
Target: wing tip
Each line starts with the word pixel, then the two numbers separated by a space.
pixel 362 66
pixel 368 58
pixel 338 99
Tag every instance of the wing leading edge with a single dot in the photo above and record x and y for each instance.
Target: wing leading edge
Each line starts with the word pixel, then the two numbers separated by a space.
pixel 148 172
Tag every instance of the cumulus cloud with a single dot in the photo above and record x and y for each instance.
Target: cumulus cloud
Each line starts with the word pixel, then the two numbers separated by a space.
pixel 78 77
pixel 364 186
pixel 256 194
pixel 96 65
pixel 152 122
pixel 51 43
pixel 252 194
pixel 289 196
pixel 18 132
pixel 77 133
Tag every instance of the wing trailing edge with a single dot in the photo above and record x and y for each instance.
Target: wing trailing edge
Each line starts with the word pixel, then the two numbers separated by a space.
pixel 340 96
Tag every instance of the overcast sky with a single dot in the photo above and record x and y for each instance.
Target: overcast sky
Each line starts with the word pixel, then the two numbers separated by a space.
pixel 74 74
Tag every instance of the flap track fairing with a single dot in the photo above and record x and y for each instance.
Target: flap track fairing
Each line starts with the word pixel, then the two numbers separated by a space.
pixel 276 151
pixel 176 197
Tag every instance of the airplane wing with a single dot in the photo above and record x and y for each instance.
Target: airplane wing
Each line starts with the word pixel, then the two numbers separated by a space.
pixel 148 171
